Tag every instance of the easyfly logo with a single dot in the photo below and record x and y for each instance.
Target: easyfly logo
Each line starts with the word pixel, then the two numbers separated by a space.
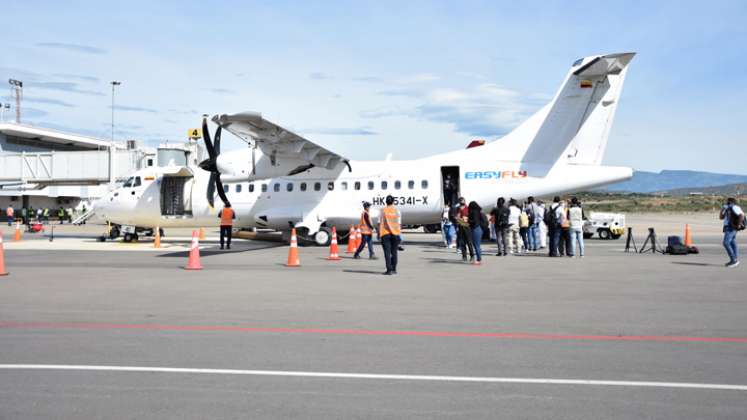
pixel 495 174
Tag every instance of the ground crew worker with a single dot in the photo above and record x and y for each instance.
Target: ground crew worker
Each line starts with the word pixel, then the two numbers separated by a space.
pixel 25 215
pixel 390 221
pixel 366 233
pixel 61 215
pixel 45 216
pixel 70 215
pixel 227 215
pixel 10 213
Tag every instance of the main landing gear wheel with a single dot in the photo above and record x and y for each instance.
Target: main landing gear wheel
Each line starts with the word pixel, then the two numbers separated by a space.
pixel 114 233
pixel 130 237
pixel 323 237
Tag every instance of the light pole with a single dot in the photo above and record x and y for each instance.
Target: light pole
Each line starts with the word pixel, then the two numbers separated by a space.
pixel 112 147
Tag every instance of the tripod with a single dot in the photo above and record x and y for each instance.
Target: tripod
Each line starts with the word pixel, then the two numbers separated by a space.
pixel 630 241
pixel 652 238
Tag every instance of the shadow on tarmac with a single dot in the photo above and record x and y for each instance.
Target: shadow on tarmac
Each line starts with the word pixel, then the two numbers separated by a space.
pixel 215 251
pixel 378 273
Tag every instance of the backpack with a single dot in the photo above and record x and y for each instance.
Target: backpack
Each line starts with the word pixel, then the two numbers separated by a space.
pixel 737 222
pixel 550 219
pixel 503 214
pixel 675 246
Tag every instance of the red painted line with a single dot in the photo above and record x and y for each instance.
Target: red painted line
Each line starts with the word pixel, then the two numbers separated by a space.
pixel 508 336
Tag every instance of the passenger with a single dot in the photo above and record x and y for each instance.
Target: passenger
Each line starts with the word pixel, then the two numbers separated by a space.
pixel 227 216
pixel 39 215
pixel 476 221
pixel 576 219
pixel 500 213
pixel 69 215
pixel 25 215
pixel 533 211
pixel 367 229
pixel 524 228
pixel 453 216
pixel 10 214
pixel 564 245
pixel 541 227
pixel 390 221
pixel 733 218
pixel 552 220
pixel 514 237
pixel 447 228
pixel 464 232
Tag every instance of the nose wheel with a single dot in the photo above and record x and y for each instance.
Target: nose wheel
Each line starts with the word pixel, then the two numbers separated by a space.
pixel 323 237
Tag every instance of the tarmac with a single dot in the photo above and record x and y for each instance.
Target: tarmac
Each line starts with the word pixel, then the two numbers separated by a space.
pixel 96 330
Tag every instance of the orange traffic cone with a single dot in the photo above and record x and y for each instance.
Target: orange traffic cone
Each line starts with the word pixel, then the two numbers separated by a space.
pixel 17 236
pixel 351 241
pixel 202 233
pixel 358 238
pixel 194 253
pixel 157 240
pixel 2 258
pixel 293 260
pixel 688 237
pixel 333 252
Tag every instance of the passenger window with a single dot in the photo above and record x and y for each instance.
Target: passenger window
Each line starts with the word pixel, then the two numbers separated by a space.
pixel 330 186
pixel 424 184
pixel 397 185
pixel 251 188
pixel 410 185
pixel 317 186
pixel 357 185
pixel 344 186
pixel 226 187
pixel 137 182
pixel 289 187
pixel 370 185
pixel 264 187
pixel 238 188
pixel 303 186
pixel 383 185
pixel 276 187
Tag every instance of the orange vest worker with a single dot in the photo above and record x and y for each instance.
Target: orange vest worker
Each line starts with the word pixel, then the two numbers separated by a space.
pixel 226 217
pixel 389 224
pixel 365 230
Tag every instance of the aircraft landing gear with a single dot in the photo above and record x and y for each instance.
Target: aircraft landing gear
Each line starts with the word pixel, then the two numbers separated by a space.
pixel 323 237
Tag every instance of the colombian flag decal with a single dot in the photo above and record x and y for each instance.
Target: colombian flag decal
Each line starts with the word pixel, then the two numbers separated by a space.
pixel 586 83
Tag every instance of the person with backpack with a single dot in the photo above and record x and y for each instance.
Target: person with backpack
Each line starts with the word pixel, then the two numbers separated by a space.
pixel 565 247
pixel 524 228
pixel 553 227
pixel 533 211
pixel 576 230
pixel 476 221
pixel 733 218
pixel 500 214
pixel 464 232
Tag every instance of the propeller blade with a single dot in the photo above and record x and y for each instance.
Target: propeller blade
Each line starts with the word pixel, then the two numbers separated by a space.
pixel 216 142
pixel 206 137
pixel 221 191
pixel 211 189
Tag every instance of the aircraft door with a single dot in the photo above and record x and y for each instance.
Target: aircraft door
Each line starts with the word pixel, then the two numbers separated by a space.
pixel 450 184
pixel 176 195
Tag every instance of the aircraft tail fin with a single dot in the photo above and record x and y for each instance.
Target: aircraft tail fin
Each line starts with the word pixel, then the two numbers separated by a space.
pixel 575 125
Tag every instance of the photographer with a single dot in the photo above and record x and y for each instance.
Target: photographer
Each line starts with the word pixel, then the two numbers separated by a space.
pixel 733 218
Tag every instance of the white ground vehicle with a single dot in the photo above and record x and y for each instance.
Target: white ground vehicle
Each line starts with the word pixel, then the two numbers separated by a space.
pixel 606 225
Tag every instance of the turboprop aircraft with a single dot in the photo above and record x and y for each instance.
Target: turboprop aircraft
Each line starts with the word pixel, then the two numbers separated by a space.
pixel 283 180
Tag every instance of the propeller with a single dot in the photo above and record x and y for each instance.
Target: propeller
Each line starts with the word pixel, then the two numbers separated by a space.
pixel 211 165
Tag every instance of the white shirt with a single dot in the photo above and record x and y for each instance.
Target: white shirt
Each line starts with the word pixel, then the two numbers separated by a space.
pixel 737 212
pixel 560 213
pixel 513 215
pixel 576 218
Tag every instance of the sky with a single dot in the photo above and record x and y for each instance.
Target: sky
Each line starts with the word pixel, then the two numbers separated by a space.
pixel 366 79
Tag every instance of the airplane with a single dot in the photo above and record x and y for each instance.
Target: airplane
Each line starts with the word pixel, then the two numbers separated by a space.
pixel 283 181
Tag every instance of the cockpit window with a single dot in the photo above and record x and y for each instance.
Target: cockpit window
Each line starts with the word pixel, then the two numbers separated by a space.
pixel 129 182
pixel 137 182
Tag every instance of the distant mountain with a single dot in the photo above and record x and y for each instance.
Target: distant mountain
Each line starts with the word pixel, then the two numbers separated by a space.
pixel 729 190
pixel 647 182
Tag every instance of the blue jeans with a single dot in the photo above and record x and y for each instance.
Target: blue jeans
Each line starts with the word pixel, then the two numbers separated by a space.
pixel 476 241
pixel 366 241
pixel 577 237
pixel 555 235
pixel 10 220
pixel 730 243
pixel 533 234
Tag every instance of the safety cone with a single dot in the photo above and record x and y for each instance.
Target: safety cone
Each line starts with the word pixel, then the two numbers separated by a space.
pixel 688 237
pixel 2 258
pixel 293 260
pixel 358 238
pixel 202 233
pixel 17 235
pixel 157 240
pixel 352 238
pixel 334 254
pixel 194 253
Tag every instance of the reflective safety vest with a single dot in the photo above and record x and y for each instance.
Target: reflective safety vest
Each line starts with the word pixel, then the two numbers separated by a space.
pixel 389 223
pixel 365 230
pixel 226 217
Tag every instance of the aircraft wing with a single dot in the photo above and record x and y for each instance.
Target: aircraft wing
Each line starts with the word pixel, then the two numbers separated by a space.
pixel 274 140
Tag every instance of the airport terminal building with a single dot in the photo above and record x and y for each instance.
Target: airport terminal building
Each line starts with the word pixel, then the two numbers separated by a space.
pixel 40 167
